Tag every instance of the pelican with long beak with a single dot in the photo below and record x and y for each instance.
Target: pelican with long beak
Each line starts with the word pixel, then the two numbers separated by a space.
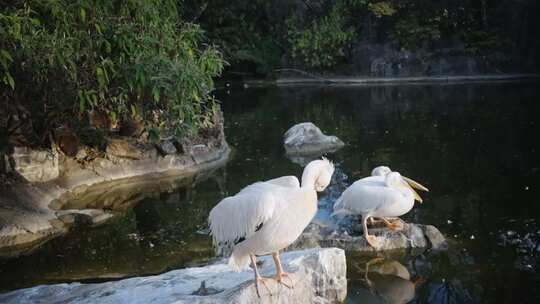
pixel 268 216
pixel 384 194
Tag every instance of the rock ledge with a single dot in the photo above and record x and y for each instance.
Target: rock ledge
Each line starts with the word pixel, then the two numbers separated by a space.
pixel 412 236
pixel 33 206
pixel 319 276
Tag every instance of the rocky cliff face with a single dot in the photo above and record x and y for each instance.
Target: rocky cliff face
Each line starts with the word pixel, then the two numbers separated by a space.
pixel 319 276
pixel 385 60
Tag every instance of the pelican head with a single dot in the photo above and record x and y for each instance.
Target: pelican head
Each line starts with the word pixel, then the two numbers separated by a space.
pixel 384 171
pixel 318 173
pixel 395 180
pixel 380 171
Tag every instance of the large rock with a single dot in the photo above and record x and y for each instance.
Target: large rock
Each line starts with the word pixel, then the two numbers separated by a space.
pixel 35 165
pixel 412 236
pixel 307 139
pixel 319 276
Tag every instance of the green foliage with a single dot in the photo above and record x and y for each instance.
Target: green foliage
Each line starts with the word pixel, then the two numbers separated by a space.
pixel 382 8
pixel 323 42
pixel 423 22
pixel 479 42
pixel 125 58
pixel 258 35
pixel 151 59
pixel 248 32
pixel 411 31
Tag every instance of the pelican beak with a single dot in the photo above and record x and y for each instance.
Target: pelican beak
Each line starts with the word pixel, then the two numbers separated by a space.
pixel 406 184
pixel 414 184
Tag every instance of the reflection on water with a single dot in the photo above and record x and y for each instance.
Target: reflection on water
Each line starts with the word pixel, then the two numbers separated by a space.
pixel 124 194
pixel 389 280
pixel 473 145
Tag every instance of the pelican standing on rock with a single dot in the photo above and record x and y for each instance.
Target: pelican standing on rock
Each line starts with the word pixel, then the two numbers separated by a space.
pixel 268 216
pixel 384 194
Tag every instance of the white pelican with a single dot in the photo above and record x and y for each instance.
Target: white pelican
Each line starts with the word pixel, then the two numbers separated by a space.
pixel 384 194
pixel 268 216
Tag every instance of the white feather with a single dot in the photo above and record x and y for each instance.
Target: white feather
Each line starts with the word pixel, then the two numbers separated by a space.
pixel 286 181
pixel 374 196
pixel 252 206
pixel 280 205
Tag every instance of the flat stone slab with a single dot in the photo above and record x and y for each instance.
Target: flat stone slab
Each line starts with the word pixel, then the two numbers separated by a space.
pixel 412 236
pixel 319 276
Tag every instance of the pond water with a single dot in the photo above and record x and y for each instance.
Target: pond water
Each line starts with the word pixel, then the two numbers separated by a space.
pixel 476 146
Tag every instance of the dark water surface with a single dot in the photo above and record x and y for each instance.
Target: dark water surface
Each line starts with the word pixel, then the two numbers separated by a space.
pixel 476 146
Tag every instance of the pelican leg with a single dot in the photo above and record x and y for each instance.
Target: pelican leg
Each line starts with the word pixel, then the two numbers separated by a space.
pixel 371 239
pixel 396 225
pixel 374 221
pixel 280 274
pixel 258 278
pixel 366 272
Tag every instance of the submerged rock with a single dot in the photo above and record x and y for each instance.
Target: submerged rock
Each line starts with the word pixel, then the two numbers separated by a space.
pixel 319 276
pixel 307 139
pixel 412 236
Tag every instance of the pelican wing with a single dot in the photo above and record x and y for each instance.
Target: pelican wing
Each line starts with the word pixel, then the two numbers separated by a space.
pixel 345 201
pixel 238 217
pixel 363 196
pixel 285 181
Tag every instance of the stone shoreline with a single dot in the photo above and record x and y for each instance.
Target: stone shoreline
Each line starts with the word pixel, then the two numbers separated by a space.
pixel 363 80
pixel 33 212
